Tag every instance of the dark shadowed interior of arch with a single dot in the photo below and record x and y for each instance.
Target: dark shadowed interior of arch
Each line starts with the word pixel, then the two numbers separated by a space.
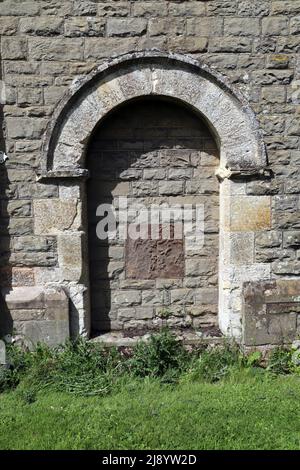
pixel 153 151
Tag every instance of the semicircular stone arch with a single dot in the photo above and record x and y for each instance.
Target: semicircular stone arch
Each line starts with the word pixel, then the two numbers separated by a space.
pixel 144 74
pixel 241 147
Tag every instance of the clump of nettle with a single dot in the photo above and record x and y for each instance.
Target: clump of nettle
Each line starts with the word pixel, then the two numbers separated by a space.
pixel 88 368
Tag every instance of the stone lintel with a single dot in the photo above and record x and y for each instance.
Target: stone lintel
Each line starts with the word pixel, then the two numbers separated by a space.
pixel 64 173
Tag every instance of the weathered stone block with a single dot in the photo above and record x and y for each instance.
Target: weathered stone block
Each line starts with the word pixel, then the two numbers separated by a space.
pixel 174 158
pixel 241 26
pixel 115 269
pixel 97 48
pixel 113 9
pixel 126 27
pixel 230 44
pixel 208 185
pixel 180 173
pixel 275 26
pixel 159 26
pixel 182 296
pixel 295 25
pixel 136 284
pixel 33 259
pixel 17 226
pixel 24 298
pixel 253 8
pixel 52 216
pixel 28 128
pixel 193 44
pixel 249 213
pixel 198 267
pixel 221 7
pixel 287 220
pixel 153 297
pixel 84 8
pixel 29 96
pixel 149 9
pixel 126 298
pixel 53 94
pixel 191 8
pixel 270 239
pixel 278 61
pixel 170 188
pixel 283 7
pixel 267 77
pixel 14 48
pixel 205 26
pixel 274 94
pixel 288 44
pixel 242 248
pixel 43 26
pixel 19 8
pixel 17 209
pixel 206 296
pixel 286 267
pixel 49 332
pixel 270 254
pixel 125 314
pixel 209 312
pixel 8 26
pixel 291 239
pixel 56 49
pixel 293 126
pixel 56 8
pixel 70 254
pixel 270 312
pixel 76 27
pixel 154 174
pixel 144 313
pixel 152 259
pixel 16 277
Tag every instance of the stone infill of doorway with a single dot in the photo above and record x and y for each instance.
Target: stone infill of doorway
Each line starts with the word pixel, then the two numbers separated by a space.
pixel 189 337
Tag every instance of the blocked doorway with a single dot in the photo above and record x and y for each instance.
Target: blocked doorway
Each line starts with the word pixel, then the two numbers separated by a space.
pixel 153 153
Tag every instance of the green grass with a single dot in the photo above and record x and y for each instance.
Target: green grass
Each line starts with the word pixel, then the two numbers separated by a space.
pixel 247 410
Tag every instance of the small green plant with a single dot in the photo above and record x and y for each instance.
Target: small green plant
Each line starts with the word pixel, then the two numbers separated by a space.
pixel 280 361
pixel 253 359
pixel 79 367
pixel 85 368
pixel 214 364
pixel 162 355
pixel 19 361
pixel 164 313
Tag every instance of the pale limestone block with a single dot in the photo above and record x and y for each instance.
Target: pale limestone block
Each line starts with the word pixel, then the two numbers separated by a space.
pixel 241 248
pixel 52 216
pixel 249 213
pixel 70 255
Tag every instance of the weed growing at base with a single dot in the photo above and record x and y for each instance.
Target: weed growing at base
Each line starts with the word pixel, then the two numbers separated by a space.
pixel 85 368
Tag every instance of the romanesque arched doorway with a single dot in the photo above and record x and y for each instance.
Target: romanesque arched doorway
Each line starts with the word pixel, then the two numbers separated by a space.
pixel 156 156
pixel 235 129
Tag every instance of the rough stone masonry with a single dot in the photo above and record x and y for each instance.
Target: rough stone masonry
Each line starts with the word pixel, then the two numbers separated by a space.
pixel 55 278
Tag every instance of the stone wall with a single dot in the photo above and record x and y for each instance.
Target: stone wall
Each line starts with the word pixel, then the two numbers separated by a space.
pixel 47 45
pixel 154 152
